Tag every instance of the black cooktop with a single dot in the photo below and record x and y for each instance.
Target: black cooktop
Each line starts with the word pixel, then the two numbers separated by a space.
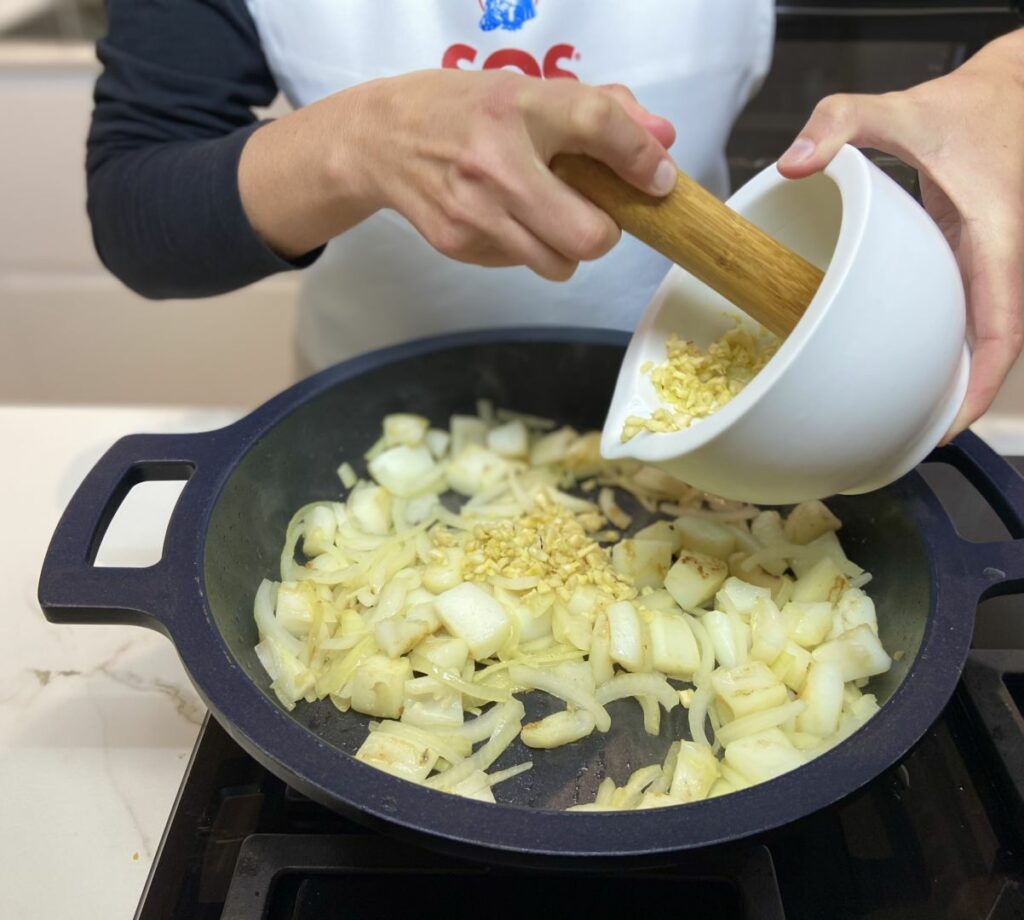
pixel 937 836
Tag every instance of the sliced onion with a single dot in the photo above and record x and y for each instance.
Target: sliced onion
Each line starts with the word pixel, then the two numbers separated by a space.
pixel 604 791
pixel 266 622
pixel 500 776
pixel 476 691
pixel 483 726
pixel 698 713
pixel 638 685
pixel 652 716
pixel 566 690
pixel 506 731
pixel 759 721
pixel 454 750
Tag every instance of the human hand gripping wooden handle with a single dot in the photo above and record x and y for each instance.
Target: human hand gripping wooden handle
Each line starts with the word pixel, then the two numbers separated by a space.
pixel 690 226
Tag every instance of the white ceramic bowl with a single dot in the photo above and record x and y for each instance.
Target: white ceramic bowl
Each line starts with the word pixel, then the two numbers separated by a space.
pixel 860 391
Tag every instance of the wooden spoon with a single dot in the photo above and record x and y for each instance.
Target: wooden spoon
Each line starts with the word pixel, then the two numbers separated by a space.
pixel 690 226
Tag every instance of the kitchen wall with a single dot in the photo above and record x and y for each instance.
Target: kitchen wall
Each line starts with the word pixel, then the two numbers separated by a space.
pixel 70 333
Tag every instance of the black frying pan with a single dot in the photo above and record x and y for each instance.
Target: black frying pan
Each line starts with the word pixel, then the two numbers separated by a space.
pixel 245 481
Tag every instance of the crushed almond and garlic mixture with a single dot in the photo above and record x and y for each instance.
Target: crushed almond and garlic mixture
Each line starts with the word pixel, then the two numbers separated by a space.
pixel 695 383
pixel 548 549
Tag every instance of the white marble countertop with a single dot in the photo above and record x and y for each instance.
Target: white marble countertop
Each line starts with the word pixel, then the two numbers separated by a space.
pixel 97 722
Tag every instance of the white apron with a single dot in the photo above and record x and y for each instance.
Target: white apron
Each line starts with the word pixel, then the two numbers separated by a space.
pixel 696 62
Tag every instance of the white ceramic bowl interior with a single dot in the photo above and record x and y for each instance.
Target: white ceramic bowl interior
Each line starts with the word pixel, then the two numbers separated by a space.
pixel 860 391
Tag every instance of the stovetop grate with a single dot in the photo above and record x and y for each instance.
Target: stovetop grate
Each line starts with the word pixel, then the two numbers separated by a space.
pixel 348 876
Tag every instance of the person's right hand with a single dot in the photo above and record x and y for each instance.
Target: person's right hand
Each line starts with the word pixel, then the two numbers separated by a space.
pixel 464 157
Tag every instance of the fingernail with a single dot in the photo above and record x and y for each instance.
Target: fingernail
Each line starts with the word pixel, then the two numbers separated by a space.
pixel 664 178
pixel 798 151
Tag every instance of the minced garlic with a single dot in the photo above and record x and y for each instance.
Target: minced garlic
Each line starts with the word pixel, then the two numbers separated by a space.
pixel 550 543
pixel 695 383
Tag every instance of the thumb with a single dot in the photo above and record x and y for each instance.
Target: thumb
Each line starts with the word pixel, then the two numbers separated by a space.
pixel 886 122
pixel 662 129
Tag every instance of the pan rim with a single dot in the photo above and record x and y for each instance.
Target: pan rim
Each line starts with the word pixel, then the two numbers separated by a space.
pixel 519 832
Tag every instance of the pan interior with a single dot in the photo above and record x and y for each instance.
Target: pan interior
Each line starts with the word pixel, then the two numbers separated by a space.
pixel 295 463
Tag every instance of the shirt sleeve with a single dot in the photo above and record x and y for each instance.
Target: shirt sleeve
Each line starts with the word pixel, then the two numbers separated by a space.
pixel 173 110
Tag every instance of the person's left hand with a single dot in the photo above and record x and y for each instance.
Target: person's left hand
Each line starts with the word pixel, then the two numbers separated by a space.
pixel 964 133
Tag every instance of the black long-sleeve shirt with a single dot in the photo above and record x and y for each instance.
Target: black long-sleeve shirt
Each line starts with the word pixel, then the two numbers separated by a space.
pixel 173 111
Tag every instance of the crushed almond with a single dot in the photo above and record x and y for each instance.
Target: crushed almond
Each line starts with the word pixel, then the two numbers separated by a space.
pixel 694 383
pixel 550 543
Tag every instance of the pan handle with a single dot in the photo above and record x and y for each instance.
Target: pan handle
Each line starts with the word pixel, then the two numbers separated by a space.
pixel 71 588
pixel 1000 564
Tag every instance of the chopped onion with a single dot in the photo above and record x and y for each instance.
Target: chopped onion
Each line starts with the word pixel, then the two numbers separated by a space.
pixel 745 513
pixel 578 505
pixel 347 475
pixel 536 422
pixel 611 510
pixel 513 588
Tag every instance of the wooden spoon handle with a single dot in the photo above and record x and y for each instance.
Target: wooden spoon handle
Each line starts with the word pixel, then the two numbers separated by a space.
pixel 690 226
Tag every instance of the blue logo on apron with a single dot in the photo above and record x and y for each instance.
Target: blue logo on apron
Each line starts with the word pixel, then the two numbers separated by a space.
pixel 506 14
